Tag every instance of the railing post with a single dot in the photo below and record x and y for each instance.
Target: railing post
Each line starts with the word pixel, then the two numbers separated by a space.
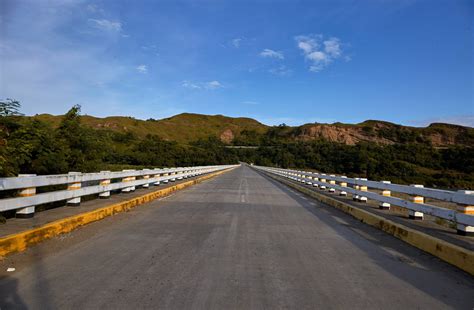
pixel 462 229
pixel 323 187
pixel 157 183
pixel 356 196
pixel 127 189
pixel 363 188
pixel 332 182
pixel 145 177
pixel 105 182
pixel 415 215
pixel 133 178
pixel 73 187
pixel 27 212
pixel 343 184
pixel 385 193
pixel 303 177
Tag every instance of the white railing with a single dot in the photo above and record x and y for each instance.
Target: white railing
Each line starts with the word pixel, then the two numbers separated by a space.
pixel 463 216
pixel 83 184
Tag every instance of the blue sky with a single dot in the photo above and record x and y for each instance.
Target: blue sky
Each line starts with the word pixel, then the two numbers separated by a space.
pixel 404 61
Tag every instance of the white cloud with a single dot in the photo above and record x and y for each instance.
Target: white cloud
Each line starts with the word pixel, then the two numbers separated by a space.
pixel 213 85
pixel 236 42
pixel 320 52
pixel 317 56
pixel 106 25
pixel 190 85
pixel 142 69
pixel 332 47
pixel 272 54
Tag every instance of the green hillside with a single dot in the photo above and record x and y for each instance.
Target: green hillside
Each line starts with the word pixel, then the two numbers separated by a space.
pixel 182 128
pixel 438 155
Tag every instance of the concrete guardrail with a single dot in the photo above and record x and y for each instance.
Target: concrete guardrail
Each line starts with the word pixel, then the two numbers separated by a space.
pixel 463 216
pixel 83 184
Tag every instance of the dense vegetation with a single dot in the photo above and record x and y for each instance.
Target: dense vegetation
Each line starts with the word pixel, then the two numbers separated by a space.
pixel 30 145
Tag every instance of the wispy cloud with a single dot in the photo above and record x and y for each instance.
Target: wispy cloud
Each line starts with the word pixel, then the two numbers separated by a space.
pixel 236 42
pixel 142 69
pixel 106 25
pixel 281 71
pixel 268 53
pixel 211 85
pixel 320 52
pixel 250 102
pixel 94 8
pixel 190 85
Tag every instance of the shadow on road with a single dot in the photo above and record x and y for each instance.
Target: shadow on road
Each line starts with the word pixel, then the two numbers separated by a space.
pixel 9 298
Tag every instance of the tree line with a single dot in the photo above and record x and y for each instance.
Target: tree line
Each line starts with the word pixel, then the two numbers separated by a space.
pixel 31 146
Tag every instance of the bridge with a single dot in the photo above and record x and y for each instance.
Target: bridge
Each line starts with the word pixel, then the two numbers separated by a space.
pixel 240 237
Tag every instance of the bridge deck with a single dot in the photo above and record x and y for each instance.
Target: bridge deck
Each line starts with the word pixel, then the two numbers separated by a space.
pixel 236 241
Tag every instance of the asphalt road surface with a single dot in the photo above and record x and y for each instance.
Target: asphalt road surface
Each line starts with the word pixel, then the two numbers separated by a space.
pixel 238 241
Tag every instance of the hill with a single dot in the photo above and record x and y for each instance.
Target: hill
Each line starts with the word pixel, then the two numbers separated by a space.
pixel 182 128
pixel 188 127
pixel 438 155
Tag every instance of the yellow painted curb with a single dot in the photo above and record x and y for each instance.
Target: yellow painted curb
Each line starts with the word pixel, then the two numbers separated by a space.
pixel 20 241
pixel 450 253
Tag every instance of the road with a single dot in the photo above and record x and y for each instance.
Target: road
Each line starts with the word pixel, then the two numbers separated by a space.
pixel 238 241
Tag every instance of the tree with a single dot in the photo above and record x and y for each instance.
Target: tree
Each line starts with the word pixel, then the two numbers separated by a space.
pixel 10 107
pixel 83 146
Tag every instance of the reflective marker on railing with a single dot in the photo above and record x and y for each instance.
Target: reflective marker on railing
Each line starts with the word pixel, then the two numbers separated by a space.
pixel 332 182
pixel 315 180
pixel 385 193
pixel 465 230
pixel 105 182
pixel 146 177
pixel 356 197
pixel 125 180
pixel 27 212
pixel 157 183
pixel 415 215
pixel 343 184
pixel 323 187
pixel 363 188
pixel 72 187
